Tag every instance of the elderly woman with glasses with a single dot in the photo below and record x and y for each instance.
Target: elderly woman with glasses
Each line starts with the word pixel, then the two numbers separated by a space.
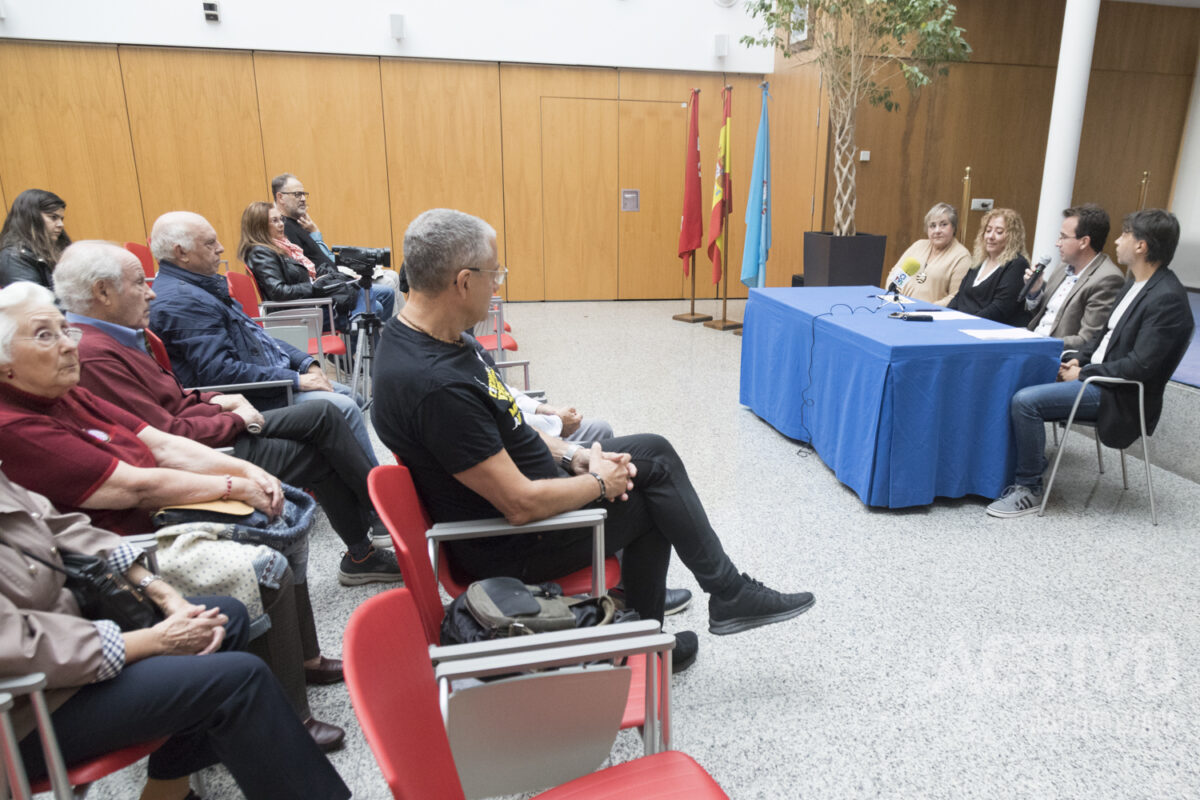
pixel 933 267
pixel 283 272
pixel 88 455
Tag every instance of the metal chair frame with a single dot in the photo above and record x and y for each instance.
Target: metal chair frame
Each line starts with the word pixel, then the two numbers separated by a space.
pixel 1099 452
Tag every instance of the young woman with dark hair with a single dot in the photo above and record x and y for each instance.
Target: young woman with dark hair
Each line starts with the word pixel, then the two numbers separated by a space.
pixel 33 238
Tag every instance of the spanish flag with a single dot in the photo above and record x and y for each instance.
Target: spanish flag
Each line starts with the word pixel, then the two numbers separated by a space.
pixel 722 202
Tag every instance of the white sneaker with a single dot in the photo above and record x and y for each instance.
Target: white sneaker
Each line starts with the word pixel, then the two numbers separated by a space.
pixel 1017 501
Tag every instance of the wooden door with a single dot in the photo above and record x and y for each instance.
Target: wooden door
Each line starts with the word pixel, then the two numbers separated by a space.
pixel 652 141
pixel 579 198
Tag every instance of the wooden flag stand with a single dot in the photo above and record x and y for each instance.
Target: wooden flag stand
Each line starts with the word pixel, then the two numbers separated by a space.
pixel 692 316
pixel 724 323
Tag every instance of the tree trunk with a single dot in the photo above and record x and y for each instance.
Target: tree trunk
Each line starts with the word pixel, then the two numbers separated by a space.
pixel 844 169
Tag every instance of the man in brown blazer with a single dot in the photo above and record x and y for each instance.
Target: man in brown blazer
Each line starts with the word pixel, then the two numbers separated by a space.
pixel 1078 298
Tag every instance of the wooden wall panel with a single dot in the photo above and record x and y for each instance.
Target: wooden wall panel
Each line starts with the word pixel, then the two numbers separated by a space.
pixel 443 143
pixel 322 120
pixel 580 200
pixel 1015 32
pixel 521 91
pixel 798 148
pixel 1124 108
pixel 196 135
pixel 64 129
pixel 652 136
pixel 662 86
pixel 1124 30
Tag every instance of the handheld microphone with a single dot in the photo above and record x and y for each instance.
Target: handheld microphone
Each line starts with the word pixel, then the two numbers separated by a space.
pixel 1038 269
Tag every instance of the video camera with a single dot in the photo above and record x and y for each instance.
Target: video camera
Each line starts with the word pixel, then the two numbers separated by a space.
pixel 363 261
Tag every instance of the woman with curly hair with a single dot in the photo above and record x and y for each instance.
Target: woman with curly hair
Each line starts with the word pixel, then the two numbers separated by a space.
pixel 990 288
pixel 33 237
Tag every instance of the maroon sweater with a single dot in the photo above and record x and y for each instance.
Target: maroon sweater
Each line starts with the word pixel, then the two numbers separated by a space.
pixel 133 380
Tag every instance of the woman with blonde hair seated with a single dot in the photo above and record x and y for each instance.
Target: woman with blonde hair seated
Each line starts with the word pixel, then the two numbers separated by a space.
pixel 940 260
pixel 991 287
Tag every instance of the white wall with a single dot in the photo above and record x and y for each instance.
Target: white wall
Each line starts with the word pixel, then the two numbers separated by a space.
pixel 1185 196
pixel 657 34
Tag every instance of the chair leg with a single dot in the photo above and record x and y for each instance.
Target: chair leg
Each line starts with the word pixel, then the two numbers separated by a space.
pixel 1099 449
pixel 1062 447
pixel 1124 476
pixel 1149 483
pixel 1054 432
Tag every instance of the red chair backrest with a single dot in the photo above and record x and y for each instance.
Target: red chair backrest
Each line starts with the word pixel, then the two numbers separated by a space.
pixel 395 499
pixel 392 687
pixel 145 256
pixel 243 289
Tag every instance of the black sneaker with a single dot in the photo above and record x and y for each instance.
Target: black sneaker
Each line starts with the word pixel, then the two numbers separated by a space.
pixel 377 566
pixel 687 645
pixel 754 605
pixel 676 600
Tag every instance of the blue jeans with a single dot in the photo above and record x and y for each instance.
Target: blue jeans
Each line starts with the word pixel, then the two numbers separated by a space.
pixel 383 301
pixel 351 409
pixel 1034 406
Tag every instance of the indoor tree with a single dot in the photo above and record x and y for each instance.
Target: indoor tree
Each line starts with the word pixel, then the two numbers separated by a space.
pixel 860 47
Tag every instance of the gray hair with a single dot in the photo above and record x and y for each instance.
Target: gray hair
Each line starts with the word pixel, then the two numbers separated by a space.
pixel 82 266
pixel 946 209
pixel 174 228
pixel 15 298
pixel 439 243
pixel 278 182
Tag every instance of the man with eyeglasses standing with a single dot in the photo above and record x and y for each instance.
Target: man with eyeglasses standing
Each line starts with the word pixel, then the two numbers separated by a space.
pixel 1076 301
pixel 291 199
pixel 447 415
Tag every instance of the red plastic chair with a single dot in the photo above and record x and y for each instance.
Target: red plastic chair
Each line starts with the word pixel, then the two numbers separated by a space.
pixel 145 256
pixel 500 329
pixel 395 499
pixel 73 780
pixel 244 289
pixel 83 775
pixel 394 693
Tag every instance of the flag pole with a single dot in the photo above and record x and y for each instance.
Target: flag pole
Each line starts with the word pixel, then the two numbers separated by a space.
pixel 724 323
pixel 691 316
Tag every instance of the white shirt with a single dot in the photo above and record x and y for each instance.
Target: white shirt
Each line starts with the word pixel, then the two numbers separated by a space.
pixel 1056 301
pixel 1115 318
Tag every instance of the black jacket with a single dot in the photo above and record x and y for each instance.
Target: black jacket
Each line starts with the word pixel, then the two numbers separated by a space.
pixel 995 298
pixel 18 263
pixel 299 237
pixel 1147 345
pixel 281 278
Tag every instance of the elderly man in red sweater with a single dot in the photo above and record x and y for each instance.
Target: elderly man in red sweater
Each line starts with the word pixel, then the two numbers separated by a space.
pixel 103 288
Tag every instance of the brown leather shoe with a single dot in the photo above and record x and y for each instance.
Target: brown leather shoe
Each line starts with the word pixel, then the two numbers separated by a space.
pixel 328 671
pixel 328 737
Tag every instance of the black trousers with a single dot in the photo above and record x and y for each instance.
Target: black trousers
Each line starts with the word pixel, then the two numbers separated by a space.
pixel 663 512
pixel 310 445
pixel 224 707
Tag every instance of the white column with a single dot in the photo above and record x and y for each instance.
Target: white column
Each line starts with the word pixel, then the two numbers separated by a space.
pixel 1185 196
pixel 1066 122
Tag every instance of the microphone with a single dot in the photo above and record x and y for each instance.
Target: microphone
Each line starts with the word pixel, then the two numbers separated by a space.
pixel 1038 269
pixel 901 273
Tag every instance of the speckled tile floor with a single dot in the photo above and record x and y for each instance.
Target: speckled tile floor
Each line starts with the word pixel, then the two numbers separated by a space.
pixel 950 655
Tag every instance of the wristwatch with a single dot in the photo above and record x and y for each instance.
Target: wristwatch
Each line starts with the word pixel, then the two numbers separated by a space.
pixel 146 581
pixel 568 455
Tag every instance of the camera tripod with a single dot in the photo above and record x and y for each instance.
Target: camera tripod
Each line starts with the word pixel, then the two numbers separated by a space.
pixel 368 325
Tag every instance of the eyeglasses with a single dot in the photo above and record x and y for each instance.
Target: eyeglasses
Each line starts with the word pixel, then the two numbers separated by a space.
pixel 47 338
pixel 1061 237
pixel 300 195
pixel 498 275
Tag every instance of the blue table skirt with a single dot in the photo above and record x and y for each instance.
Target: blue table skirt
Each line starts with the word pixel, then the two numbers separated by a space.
pixel 903 412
